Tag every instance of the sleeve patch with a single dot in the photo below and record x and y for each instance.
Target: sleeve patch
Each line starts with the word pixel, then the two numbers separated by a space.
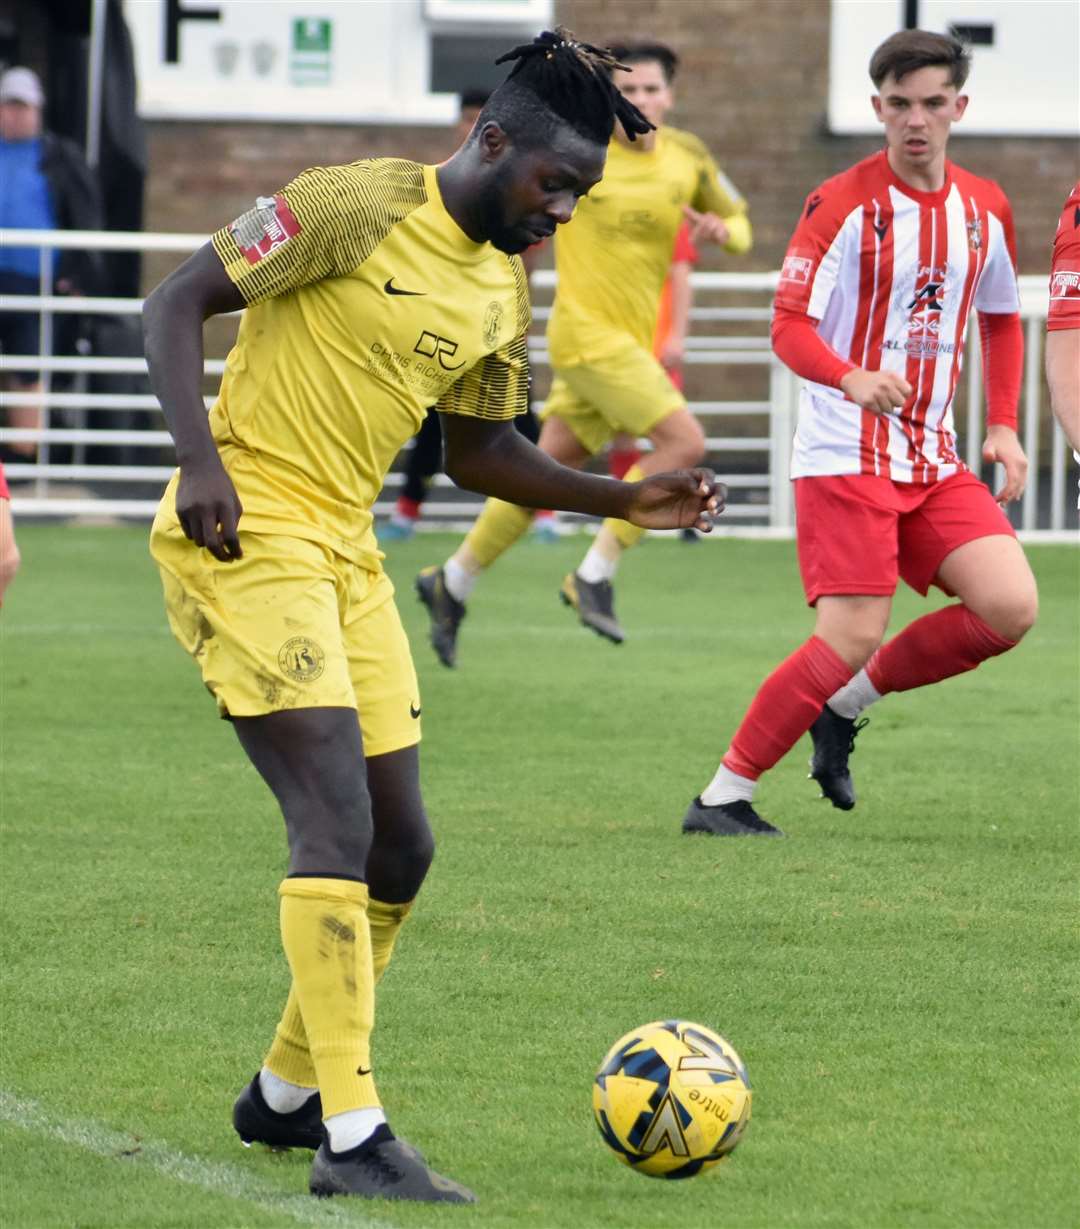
pixel 1065 284
pixel 261 230
pixel 797 269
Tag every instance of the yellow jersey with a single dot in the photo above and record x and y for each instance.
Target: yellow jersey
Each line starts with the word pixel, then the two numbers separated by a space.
pixel 367 305
pixel 613 255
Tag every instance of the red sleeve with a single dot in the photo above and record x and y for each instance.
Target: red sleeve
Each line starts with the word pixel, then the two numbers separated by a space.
pixel 809 271
pixel 1064 312
pixel 796 343
pixel 1002 339
pixel 684 249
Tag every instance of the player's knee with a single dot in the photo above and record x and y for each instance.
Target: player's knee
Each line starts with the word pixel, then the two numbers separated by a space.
pixel 1014 618
pixel 400 859
pixel 414 851
pixel 861 645
pixel 323 839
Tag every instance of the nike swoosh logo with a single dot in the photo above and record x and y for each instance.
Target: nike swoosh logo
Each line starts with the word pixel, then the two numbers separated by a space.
pixel 413 712
pixel 390 288
pixel 363 1070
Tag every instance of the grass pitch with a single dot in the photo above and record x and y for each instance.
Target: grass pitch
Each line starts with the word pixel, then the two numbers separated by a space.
pixel 900 979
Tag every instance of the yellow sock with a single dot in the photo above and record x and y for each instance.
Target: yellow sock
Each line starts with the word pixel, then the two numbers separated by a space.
pixel 497 528
pixel 289 1057
pixel 384 921
pixel 324 930
pixel 625 534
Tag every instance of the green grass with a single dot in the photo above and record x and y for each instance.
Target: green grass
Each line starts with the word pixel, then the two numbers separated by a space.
pixel 900 980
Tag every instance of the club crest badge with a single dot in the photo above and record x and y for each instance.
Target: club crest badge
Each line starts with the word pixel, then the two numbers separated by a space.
pixel 493 319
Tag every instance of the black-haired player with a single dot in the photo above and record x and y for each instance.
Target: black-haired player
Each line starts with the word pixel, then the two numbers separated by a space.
pixel 374 291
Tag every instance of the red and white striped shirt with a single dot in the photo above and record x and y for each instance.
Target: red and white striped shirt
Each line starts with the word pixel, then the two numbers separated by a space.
pixel 1064 310
pixel 890 275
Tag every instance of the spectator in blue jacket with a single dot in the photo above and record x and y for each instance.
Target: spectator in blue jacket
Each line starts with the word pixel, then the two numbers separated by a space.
pixel 45 184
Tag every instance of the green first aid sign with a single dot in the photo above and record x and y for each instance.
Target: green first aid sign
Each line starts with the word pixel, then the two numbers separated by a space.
pixel 311 34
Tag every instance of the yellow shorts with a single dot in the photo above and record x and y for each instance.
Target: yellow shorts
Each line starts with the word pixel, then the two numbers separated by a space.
pixel 291 624
pixel 625 391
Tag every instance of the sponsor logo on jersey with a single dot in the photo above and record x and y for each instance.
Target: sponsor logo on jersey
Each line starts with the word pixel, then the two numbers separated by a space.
pixel 796 269
pixel 921 346
pixel 431 345
pixel 928 297
pixel 923 327
pixel 260 231
pixel 1065 284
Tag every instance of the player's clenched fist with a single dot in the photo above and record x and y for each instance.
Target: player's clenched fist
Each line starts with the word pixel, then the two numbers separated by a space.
pixel 880 391
pixel 686 499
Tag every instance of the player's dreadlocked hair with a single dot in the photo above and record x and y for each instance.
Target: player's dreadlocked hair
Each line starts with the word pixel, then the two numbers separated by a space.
pixel 557 78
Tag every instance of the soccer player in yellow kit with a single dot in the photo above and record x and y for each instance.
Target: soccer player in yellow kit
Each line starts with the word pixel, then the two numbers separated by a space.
pixel 611 262
pixel 374 291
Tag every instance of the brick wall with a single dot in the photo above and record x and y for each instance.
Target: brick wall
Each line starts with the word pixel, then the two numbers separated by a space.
pixel 753 85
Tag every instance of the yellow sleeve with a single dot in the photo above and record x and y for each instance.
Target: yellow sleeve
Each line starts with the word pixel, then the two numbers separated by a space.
pixel 717 194
pixel 324 223
pixel 497 387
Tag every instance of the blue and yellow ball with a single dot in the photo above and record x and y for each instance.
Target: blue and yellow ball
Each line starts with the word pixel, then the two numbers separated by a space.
pixel 672 1099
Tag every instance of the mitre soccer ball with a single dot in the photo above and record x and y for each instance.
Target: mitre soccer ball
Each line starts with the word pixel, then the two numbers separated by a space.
pixel 671 1099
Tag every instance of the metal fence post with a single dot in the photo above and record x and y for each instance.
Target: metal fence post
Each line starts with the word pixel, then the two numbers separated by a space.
pixel 782 391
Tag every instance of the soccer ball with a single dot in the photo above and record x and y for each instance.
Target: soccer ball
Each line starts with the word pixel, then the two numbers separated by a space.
pixel 671 1099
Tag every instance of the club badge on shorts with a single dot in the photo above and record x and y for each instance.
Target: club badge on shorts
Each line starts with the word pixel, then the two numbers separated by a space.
pixel 301 659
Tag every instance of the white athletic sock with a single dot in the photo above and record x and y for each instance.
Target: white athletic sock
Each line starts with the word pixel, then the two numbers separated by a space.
pixel 349 1130
pixel 855 695
pixel 597 566
pixel 728 786
pixel 460 582
pixel 280 1095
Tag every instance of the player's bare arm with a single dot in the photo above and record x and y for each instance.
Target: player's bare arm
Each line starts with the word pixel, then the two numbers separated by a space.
pixel 173 316
pixel 493 459
pixel 1063 377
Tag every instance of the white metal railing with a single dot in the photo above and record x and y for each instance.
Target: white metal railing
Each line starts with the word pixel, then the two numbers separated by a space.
pixel 776 410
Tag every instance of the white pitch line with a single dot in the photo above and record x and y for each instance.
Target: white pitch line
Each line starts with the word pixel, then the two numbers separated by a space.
pixel 216 1177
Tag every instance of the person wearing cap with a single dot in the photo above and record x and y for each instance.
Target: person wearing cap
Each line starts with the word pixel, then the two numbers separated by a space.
pixel 45 184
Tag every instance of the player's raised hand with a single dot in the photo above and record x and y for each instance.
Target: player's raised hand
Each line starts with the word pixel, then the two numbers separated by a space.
pixel 684 499
pixel 705 227
pixel 209 510
pixel 1003 446
pixel 880 391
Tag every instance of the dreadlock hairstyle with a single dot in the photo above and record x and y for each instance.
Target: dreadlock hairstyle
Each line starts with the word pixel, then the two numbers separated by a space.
pixel 557 79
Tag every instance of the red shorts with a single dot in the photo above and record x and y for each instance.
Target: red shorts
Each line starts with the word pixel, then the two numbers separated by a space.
pixel 857 533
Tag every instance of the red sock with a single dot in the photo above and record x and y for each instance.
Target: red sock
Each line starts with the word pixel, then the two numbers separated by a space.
pixel 622 459
pixel 935 647
pixel 785 707
pixel 409 508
